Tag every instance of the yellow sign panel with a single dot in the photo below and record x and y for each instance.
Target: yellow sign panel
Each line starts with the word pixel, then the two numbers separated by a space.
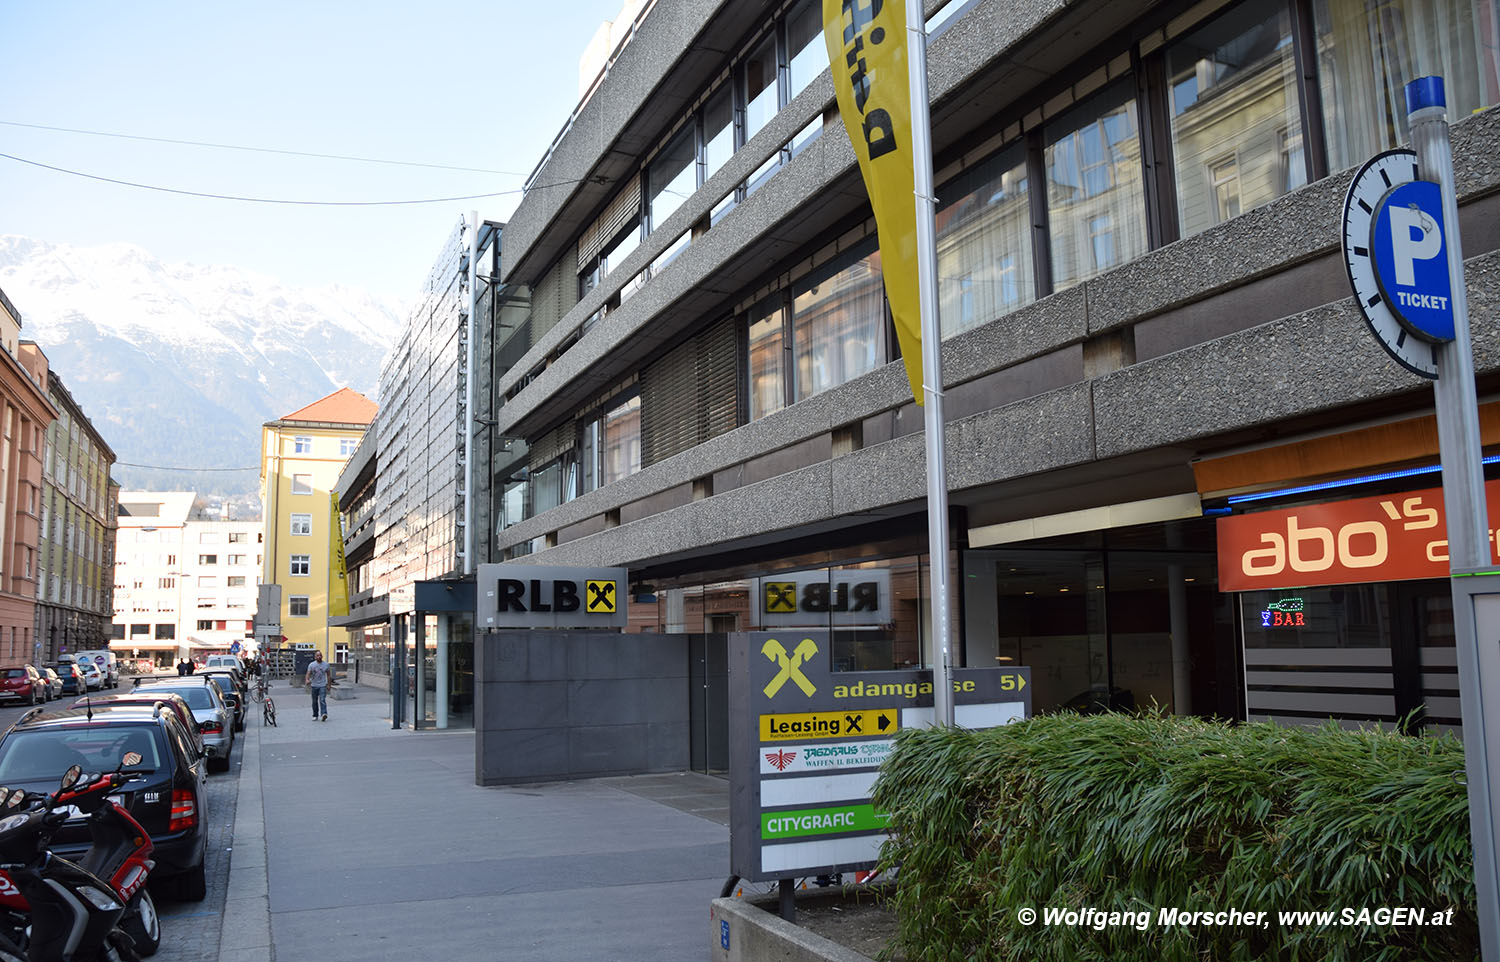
pixel 790 664
pixel 781 597
pixel 791 726
pixel 601 597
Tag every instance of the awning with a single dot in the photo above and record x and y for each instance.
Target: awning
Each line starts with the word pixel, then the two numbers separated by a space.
pixel 124 647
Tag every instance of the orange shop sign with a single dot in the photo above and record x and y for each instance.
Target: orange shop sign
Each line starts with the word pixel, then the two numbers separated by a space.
pixel 1397 537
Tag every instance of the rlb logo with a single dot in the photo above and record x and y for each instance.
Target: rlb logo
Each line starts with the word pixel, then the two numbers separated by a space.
pixel 1411 258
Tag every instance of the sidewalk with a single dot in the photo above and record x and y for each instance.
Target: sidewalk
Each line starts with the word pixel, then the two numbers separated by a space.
pixel 356 842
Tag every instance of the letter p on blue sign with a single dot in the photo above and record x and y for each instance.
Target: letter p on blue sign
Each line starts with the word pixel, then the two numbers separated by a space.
pixel 1411 258
pixel 724 933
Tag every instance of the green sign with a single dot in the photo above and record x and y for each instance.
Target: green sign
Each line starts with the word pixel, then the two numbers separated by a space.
pixel 823 821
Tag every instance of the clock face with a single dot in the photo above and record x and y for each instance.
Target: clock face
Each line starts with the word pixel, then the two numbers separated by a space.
pixel 1376 178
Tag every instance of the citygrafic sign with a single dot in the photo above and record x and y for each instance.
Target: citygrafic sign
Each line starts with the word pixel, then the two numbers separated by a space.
pixel 1399 537
pixel 550 596
pixel 807 743
pixel 812 599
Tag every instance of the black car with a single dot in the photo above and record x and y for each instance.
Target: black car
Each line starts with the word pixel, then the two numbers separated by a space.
pixel 72 678
pixel 165 793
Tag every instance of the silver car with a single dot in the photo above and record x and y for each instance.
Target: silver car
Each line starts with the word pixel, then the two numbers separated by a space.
pixel 215 719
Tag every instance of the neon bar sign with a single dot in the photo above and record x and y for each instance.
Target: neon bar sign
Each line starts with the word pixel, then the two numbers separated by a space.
pixel 1286 613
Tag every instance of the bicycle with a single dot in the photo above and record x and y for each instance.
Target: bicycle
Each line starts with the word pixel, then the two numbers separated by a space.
pixel 267 705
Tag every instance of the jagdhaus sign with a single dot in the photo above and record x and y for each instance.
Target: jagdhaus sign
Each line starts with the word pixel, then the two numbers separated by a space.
pixel 807 742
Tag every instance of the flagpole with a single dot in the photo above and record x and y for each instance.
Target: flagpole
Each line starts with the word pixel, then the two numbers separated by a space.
pixel 932 366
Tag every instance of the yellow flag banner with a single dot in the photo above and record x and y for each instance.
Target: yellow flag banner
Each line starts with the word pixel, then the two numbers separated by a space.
pixel 867 50
pixel 338 576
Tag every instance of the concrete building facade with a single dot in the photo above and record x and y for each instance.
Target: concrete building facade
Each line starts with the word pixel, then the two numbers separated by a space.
pixel 301 457
pixel 1146 321
pixel 76 556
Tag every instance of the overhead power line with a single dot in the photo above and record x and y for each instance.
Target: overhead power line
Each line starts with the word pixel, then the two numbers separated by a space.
pixel 261 150
pixel 163 467
pixel 261 200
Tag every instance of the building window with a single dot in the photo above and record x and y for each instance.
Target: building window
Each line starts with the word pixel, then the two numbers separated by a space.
pixel 208 537
pixel 166 632
pixel 622 441
pixel 297 606
pixel 140 631
pixel 236 559
pixel 301 564
pixel 985 266
pixel 239 537
pixel 166 582
pixel 208 559
pixel 671 177
pixel 718 132
pixel 766 356
pixel 807 53
pixel 207 581
pixel 302 445
pixel 205 624
pixel 236 581
pixel 1094 187
pixel 839 322
pixel 1233 103
pixel 205 602
pixel 347 446
pixel 302 484
pixel 758 76
pixel 301 524
pixel 1368 51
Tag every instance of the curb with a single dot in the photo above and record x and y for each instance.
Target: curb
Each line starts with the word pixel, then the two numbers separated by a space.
pixel 739 931
pixel 245 935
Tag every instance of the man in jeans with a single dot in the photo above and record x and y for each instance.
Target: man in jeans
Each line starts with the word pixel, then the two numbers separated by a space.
pixel 317 683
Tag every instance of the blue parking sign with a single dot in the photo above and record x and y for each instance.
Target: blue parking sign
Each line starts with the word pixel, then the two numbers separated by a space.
pixel 1411 258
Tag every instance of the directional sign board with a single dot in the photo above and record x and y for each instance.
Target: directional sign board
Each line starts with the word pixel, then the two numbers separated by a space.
pixel 807 743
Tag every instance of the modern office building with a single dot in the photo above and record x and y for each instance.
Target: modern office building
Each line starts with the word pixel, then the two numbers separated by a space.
pixel 301 456
pixel 184 578
pixel 76 555
pixel 1146 326
pixel 25 413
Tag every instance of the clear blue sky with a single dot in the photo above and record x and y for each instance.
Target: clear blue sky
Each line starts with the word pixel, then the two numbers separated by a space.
pixel 464 83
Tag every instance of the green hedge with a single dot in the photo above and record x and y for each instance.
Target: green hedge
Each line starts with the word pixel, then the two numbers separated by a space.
pixel 1139 814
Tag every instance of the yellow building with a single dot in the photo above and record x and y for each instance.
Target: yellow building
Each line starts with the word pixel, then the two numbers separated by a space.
pixel 301 455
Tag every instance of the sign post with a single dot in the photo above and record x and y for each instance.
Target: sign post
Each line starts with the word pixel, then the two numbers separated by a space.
pixel 1405 263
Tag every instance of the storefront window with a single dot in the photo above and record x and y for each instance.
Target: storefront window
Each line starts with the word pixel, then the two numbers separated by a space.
pixel 1234 111
pixel 838 322
pixel 1095 199
pixel 766 358
pixel 1368 52
pixel 984 243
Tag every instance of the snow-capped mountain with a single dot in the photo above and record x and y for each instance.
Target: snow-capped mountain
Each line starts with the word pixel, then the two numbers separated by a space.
pixel 180 364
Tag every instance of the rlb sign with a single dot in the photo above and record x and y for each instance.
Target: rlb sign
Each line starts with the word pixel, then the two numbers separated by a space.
pixel 550 596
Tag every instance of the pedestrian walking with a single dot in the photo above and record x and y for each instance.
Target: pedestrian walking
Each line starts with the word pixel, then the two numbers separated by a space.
pixel 183 667
pixel 317 683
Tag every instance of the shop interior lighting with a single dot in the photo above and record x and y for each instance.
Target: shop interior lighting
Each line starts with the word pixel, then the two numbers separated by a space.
pixel 1346 482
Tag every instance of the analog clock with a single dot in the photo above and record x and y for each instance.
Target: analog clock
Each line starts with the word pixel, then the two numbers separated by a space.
pixel 1374 180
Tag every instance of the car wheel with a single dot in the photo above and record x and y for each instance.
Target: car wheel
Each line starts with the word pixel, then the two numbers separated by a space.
pixel 219 764
pixel 142 924
pixel 192 886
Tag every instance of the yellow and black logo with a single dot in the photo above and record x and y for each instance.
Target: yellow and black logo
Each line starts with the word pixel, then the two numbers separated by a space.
pixel 790 664
pixel 601 597
pixel 781 597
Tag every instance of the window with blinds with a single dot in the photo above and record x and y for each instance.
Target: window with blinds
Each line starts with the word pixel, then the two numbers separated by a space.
pixel 690 394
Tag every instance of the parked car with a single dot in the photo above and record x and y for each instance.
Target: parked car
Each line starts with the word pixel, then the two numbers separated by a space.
pixel 215 719
pixel 226 661
pixel 148 698
pixel 165 793
pixel 72 678
pixel 54 683
pixel 234 689
pixel 93 678
pixel 21 683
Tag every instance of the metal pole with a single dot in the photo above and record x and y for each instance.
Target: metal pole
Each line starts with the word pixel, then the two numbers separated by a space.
pixel 1463 501
pixel 932 366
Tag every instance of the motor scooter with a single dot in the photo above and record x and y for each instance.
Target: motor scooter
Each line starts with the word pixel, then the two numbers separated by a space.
pixel 61 911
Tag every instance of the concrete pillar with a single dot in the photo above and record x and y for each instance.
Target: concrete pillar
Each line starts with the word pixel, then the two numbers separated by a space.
pixel 1182 680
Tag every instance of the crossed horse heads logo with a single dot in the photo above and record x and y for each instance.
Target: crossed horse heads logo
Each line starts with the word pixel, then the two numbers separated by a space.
pixel 791 665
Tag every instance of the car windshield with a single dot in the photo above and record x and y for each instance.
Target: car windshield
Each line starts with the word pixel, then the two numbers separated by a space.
pixel 196 697
pixel 44 754
pixel 15 673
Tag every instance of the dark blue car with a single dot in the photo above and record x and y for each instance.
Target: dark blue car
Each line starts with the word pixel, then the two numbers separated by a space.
pixel 72 678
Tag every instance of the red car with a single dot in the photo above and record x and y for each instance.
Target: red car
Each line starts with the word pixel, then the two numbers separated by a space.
pixel 23 684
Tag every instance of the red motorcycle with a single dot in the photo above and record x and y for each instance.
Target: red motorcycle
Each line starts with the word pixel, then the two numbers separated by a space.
pixel 59 911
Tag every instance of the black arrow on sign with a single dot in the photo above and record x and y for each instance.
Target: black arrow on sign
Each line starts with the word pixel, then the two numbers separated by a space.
pixel 883 722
